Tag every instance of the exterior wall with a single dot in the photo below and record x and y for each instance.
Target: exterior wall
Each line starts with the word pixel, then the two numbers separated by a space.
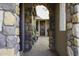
pixel 69 10
pixel 67 42
pixel 9 29
pixel 73 29
pixel 51 31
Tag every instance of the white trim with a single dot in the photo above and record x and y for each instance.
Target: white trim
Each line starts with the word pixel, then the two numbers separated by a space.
pixel 62 21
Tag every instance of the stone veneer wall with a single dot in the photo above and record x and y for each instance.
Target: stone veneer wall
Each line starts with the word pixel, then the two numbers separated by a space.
pixel 9 29
pixel 73 29
pixel 52 31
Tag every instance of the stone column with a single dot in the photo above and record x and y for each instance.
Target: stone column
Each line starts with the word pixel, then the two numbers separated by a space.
pixel 45 27
pixel 9 29
pixel 39 27
pixel 52 33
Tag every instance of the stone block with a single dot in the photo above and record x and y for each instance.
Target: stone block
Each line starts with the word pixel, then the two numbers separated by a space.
pixel 71 9
pixel 52 47
pixel 2 41
pixel 76 8
pixel 69 43
pixel 17 31
pixel 9 19
pixel 68 11
pixel 75 30
pixel 75 17
pixel 68 5
pixel 69 34
pixel 17 48
pixel 7 52
pixel 17 4
pixel 69 25
pixel 17 10
pixel 75 42
pixel 18 39
pixel 1 20
pixel 70 51
pixel 75 50
pixel 51 38
pixel 18 54
pixel 17 21
pixel 11 41
pixel 8 6
pixel 50 33
pixel 68 16
pixel 9 30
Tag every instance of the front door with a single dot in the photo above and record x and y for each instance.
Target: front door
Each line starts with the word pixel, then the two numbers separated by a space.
pixel 42 28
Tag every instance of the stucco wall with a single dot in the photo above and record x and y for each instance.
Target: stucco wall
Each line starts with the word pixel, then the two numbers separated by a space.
pixel 60 35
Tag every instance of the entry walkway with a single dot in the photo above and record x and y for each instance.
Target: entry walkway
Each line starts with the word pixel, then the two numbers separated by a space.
pixel 40 48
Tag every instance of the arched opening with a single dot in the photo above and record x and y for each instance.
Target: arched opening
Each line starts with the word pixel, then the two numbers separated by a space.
pixel 36 25
pixel 41 46
pixel 42 20
pixel 42 12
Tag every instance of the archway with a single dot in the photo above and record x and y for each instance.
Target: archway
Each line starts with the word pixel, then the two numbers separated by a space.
pixel 54 33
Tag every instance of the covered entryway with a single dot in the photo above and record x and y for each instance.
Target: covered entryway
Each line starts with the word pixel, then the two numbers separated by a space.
pixel 61 35
pixel 32 43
